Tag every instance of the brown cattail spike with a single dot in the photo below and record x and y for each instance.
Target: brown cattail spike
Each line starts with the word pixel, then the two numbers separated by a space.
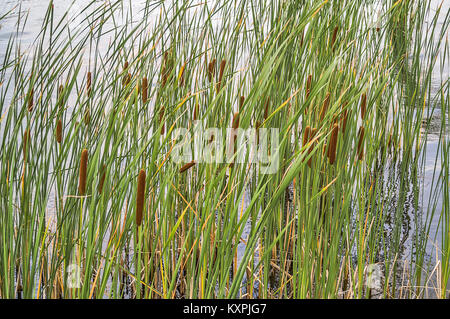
pixel 241 103
pixel 306 135
pixel 140 197
pixel 211 70
pixel 59 131
pixel 308 86
pixel 83 172
pixel 235 123
pixel 333 39
pixel 363 106
pixel 89 83
pixel 144 90
pixel 333 144
pixel 326 103
pixel 102 179
pixel 222 69
pixel 361 143
pixel 187 166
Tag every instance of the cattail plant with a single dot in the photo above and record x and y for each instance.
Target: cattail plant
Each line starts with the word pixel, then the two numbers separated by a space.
pixel 83 172
pixel 211 70
pixel 102 179
pixel 126 80
pixel 241 103
pixel 361 143
pixel 187 166
pixel 59 131
pixel 140 197
pixel 333 39
pixel 333 144
pixel 222 69
pixel 363 106
pixel 144 89
pixel 308 86
pixel 326 103
pixel 89 83
pixel 306 134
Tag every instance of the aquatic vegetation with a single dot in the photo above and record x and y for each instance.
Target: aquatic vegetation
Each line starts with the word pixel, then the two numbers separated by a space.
pixel 88 113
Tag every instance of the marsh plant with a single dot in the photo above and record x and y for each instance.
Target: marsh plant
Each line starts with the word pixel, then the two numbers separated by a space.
pixel 225 149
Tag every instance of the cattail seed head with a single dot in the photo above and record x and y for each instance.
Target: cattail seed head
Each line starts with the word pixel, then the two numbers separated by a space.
pixel 363 106
pixel 211 70
pixel 187 166
pixel 241 103
pixel 326 103
pixel 306 135
pixel 308 86
pixel 59 131
pixel 83 172
pixel 222 69
pixel 361 143
pixel 144 90
pixel 333 39
pixel 102 179
pixel 235 123
pixel 89 83
pixel 126 80
pixel 140 197
pixel 333 144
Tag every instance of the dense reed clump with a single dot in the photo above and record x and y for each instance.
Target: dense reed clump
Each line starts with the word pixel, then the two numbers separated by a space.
pixel 333 188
